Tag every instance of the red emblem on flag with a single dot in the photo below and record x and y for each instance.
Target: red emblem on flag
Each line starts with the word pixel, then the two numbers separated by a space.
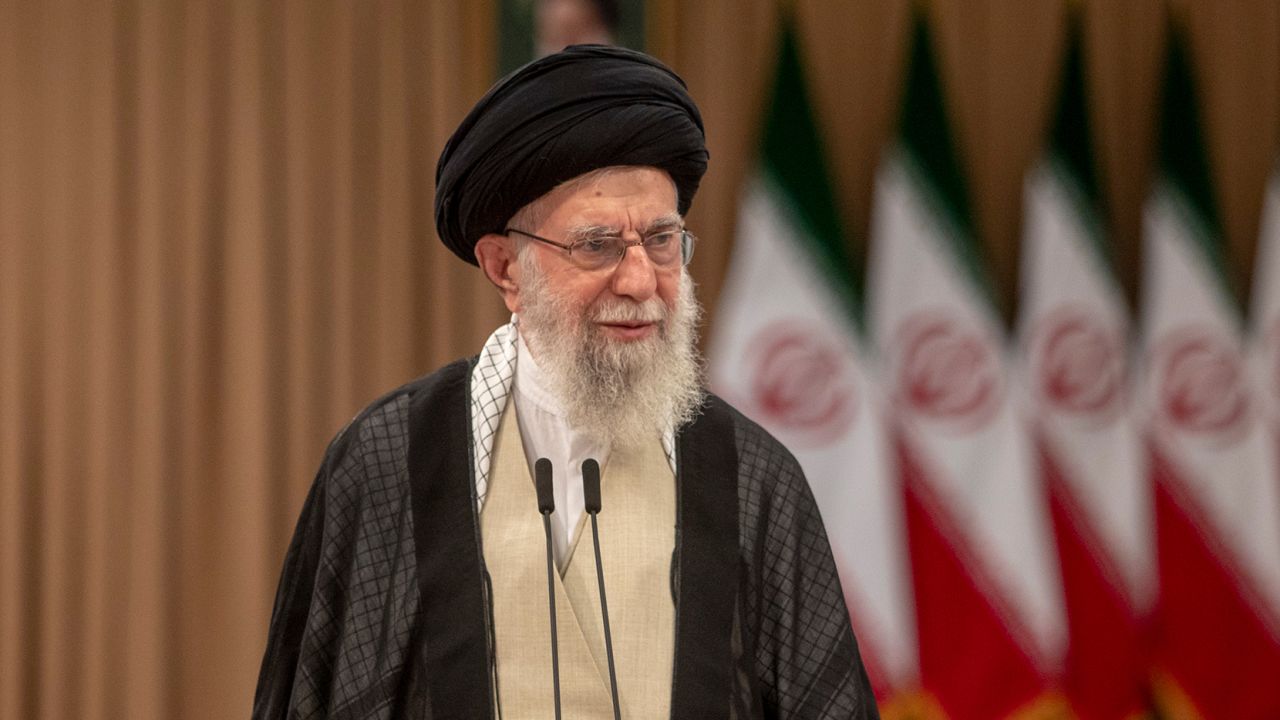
pixel 947 371
pixel 1201 384
pixel 802 383
pixel 1078 364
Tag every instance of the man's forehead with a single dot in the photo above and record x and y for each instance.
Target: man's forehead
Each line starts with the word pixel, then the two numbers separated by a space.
pixel 645 193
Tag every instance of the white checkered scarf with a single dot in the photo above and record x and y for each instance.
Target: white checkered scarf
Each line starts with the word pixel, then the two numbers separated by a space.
pixel 491 380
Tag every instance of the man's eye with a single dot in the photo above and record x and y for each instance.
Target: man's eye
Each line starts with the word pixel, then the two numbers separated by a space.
pixel 660 239
pixel 597 246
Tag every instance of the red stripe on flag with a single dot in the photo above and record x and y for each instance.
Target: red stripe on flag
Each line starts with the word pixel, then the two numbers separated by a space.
pixel 969 658
pixel 1106 665
pixel 1211 641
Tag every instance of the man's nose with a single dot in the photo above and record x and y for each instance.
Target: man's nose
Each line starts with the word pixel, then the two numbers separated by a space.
pixel 635 276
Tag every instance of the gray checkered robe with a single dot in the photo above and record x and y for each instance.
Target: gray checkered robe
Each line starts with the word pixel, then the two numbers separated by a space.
pixel 384 609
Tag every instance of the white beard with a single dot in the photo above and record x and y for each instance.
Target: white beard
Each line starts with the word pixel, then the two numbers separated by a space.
pixel 621 393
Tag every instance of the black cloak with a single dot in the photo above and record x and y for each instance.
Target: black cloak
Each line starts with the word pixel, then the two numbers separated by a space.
pixel 383 611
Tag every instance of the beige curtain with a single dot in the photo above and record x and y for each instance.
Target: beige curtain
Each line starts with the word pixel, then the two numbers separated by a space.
pixel 216 245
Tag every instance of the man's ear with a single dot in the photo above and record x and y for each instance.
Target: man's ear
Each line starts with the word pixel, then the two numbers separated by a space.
pixel 496 255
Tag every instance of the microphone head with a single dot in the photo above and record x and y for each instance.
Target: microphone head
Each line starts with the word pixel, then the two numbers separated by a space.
pixel 542 483
pixel 591 485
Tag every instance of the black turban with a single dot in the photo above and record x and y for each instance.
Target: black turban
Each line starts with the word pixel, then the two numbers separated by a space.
pixel 584 108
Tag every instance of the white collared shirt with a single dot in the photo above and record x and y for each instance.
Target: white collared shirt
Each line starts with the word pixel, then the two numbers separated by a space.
pixel 546 433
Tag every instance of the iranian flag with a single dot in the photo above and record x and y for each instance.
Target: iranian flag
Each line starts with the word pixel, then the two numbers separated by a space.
pixel 985 569
pixel 1213 460
pixel 786 351
pixel 1074 329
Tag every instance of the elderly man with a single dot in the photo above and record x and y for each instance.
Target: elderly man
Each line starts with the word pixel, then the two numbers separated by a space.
pixel 419 580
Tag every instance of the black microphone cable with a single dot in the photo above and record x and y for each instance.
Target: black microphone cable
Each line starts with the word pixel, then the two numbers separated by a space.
pixel 546 506
pixel 591 502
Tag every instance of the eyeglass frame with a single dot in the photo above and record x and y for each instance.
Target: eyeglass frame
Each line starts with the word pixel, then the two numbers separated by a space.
pixel 687 242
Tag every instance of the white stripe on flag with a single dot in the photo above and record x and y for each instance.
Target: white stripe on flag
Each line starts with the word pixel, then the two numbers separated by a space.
pixel 785 352
pixel 1201 400
pixel 1075 336
pixel 944 357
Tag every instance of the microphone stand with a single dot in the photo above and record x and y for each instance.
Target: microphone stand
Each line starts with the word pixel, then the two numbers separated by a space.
pixel 591 502
pixel 546 506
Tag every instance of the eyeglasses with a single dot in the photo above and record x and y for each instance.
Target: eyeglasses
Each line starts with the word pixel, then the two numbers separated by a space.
pixel 667 249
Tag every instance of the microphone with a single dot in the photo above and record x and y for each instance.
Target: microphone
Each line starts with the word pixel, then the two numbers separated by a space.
pixel 591 502
pixel 546 506
pixel 542 484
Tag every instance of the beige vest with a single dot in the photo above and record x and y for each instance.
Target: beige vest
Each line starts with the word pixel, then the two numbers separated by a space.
pixel 637 536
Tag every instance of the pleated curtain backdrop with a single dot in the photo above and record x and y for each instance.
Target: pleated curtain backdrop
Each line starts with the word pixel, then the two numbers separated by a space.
pixel 217 244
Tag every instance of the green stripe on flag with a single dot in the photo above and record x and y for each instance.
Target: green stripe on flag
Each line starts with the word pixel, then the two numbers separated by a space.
pixel 1071 140
pixel 1184 162
pixel 793 159
pixel 926 137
